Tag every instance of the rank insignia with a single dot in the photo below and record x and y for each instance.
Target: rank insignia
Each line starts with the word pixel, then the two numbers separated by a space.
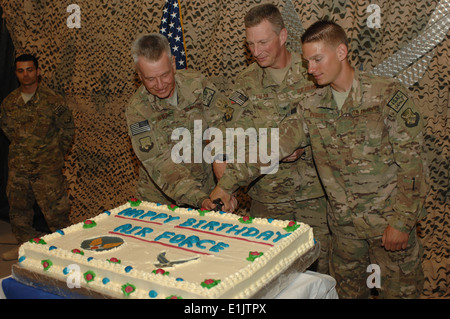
pixel 139 127
pixel 411 118
pixel 397 101
pixel 228 116
pixel 208 95
pixel 238 98
pixel 145 144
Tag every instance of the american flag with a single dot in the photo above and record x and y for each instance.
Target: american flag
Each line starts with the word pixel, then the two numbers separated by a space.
pixel 172 28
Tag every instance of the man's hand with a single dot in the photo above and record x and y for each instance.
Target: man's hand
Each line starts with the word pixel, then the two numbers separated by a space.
pixel 208 204
pixel 229 202
pixel 394 239
pixel 294 156
pixel 219 169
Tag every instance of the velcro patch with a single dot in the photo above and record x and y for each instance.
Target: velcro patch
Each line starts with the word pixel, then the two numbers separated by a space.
pixel 397 101
pixel 208 95
pixel 139 128
pixel 238 98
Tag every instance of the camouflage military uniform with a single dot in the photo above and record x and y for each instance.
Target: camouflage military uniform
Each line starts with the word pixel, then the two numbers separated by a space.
pixel 41 133
pixel 294 192
pixel 369 158
pixel 151 122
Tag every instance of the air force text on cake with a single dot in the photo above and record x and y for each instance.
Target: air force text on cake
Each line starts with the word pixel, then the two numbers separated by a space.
pixel 256 150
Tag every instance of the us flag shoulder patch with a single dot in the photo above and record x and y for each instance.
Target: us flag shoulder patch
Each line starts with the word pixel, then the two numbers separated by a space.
pixel 139 128
pixel 238 98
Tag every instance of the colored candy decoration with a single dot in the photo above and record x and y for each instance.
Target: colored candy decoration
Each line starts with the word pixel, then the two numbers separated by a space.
pixel 38 241
pixel 203 211
pixel 46 264
pixel 160 272
pixel 153 294
pixel 174 297
pixel 89 276
pixel 134 202
pixel 114 260
pixel 172 207
pixel 253 255
pixel 209 283
pixel 89 223
pixel 291 226
pixel 77 251
pixel 246 220
pixel 128 289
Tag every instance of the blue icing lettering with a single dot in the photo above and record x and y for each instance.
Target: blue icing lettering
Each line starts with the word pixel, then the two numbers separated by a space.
pixel 144 231
pixel 123 228
pixel 224 225
pixel 211 225
pixel 200 222
pixel 160 216
pixel 177 239
pixel 168 220
pixel 218 247
pixel 280 236
pixel 188 222
pixel 190 241
pixel 166 234
pixel 251 232
pixel 148 214
pixel 201 242
pixel 131 212
pixel 265 235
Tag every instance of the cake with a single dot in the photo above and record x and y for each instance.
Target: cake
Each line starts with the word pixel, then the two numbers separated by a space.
pixel 148 250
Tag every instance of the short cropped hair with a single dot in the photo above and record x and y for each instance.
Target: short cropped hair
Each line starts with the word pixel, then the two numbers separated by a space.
pixel 151 47
pixel 327 31
pixel 26 58
pixel 268 12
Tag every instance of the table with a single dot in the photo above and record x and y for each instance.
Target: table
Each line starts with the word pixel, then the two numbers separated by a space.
pixel 306 285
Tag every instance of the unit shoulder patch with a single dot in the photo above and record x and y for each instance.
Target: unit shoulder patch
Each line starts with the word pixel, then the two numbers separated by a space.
pixel 397 101
pixel 208 95
pixel 411 118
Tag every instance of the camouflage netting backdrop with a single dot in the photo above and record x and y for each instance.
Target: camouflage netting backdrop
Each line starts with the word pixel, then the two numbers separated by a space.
pixel 92 67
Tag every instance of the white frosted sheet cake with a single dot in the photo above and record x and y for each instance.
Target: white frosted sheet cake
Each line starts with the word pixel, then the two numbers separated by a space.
pixel 147 250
